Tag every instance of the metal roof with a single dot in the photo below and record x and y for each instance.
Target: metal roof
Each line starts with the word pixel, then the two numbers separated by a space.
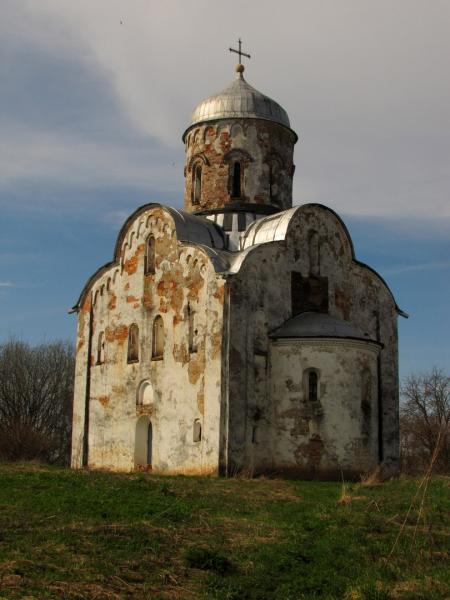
pixel 239 100
pixel 318 325
pixel 197 229
pixel 269 229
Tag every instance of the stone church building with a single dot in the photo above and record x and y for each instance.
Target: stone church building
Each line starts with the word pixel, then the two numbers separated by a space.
pixel 241 333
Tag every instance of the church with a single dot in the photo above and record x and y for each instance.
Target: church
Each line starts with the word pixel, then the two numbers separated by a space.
pixel 241 334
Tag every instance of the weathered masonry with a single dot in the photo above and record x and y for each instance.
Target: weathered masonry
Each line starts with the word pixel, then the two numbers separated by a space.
pixel 240 333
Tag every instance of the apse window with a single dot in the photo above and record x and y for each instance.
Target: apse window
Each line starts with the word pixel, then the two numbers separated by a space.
pixel 313 380
pixel 158 339
pixel 197 431
pixel 150 255
pixel 133 344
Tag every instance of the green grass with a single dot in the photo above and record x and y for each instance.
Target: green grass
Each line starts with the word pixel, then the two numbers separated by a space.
pixel 66 534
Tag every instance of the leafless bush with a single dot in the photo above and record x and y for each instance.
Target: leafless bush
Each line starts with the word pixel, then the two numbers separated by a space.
pixel 36 389
pixel 425 422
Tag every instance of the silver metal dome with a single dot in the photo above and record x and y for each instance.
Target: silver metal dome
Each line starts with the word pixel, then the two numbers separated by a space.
pixel 239 100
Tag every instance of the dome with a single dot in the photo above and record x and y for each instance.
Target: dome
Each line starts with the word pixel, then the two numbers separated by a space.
pixel 318 325
pixel 239 100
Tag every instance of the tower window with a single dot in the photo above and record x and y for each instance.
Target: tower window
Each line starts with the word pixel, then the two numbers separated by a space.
pixel 236 183
pixel 150 255
pixel 133 344
pixel 228 221
pixel 196 183
pixel 242 225
pixel 158 339
pixel 101 348
pixel 312 386
pixel 273 187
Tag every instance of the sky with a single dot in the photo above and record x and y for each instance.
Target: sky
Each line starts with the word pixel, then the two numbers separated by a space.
pixel 95 96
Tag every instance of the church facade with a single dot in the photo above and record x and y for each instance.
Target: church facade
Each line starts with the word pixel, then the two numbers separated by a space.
pixel 241 333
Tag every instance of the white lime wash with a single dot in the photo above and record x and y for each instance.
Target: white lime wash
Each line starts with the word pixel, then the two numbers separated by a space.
pixel 241 333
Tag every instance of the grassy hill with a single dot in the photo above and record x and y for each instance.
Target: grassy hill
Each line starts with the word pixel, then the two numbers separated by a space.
pixel 66 534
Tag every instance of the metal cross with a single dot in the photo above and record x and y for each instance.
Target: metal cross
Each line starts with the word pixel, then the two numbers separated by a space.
pixel 240 51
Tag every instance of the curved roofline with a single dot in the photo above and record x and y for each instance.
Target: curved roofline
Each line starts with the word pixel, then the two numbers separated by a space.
pixel 119 242
pixel 327 337
pixel 401 312
pixel 197 123
pixel 260 222
pixel 90 282
pixel 123 229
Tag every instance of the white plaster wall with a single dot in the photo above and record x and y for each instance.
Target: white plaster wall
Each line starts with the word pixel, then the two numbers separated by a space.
pixel 185 386
pixel 327 435
pixel 261 302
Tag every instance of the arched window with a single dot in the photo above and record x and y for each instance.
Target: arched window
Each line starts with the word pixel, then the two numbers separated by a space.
pixel 150 255
pixel 197 431
pixel 192 332
pixel 236 181
pixel 133 344
pixel 158 338
pixel 313 380
pixel 101 348
pixel 274 177
pixel 196 183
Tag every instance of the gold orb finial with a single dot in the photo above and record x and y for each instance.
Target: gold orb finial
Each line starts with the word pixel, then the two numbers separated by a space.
pixel 240 68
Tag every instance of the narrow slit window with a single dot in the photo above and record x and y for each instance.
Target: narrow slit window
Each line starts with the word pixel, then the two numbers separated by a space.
pixel 197 184
pixel 101 348
pixel 241 222
pixel 197 432
pixel 228 222
pixel 192 331
pixel 158 338
pixel 150 255
pixel 312 386
pixel 236 188
pixel 133 344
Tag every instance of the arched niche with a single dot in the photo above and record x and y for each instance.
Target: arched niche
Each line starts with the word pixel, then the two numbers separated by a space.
pixel 145 393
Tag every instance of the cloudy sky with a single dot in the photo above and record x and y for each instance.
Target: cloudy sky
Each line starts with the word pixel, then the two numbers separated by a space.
pixel 95 95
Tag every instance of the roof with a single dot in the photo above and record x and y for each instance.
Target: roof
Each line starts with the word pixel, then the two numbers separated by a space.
pixel 189 228
pixel 269 229
pixel 198 229
pixel 318 325
pixel 239 100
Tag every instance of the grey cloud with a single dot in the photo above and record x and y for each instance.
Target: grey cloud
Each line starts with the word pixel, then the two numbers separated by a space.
pixel 430 266
pixel 365 84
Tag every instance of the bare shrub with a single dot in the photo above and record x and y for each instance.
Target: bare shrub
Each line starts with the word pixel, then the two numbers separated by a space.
pixel 425 422
pixel 36 391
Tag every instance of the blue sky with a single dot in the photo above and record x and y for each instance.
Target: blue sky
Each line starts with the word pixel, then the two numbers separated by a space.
pixel 96 95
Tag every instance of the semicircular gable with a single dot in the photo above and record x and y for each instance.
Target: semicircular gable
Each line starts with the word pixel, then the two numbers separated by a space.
pixel 282 226
pixel 188 228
